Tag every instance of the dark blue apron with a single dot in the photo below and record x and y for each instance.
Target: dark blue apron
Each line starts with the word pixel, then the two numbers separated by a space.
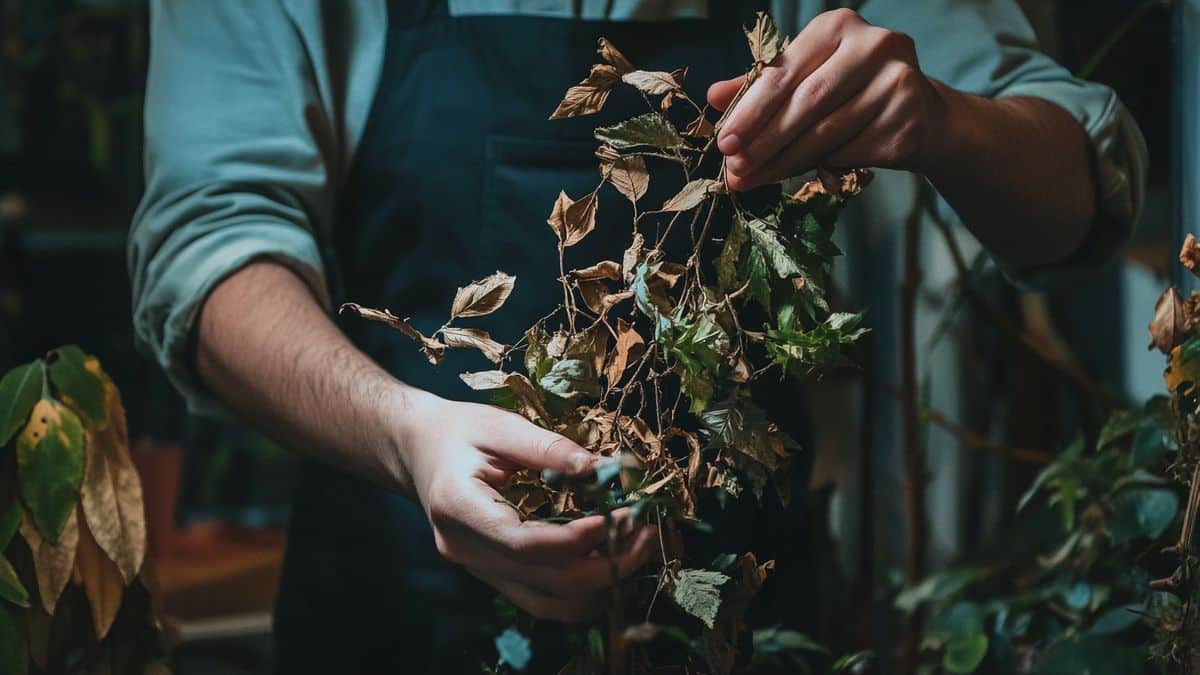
pixel 453 179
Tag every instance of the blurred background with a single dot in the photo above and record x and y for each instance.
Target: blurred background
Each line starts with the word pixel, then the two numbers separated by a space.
pixel 71 79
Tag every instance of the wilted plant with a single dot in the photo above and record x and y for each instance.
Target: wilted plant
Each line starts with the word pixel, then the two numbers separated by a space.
pixel 647 361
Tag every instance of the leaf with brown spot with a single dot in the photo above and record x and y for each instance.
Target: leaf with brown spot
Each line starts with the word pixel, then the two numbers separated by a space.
pixel 482 297
pixel 433 349
pixel 653 82
pixel 630 347
pixel 1189 255
pixel 627 174
pixel 692 195
pixel 51 454
pixel 611 54
pixel 102 581
pixel 589 95
pixel 52 563
pixel 1167 328
pixel 573 220
pixel 112 493
pixel 473 338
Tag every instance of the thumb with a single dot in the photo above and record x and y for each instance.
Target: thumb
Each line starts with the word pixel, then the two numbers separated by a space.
pixel 721 94
pixel 517 440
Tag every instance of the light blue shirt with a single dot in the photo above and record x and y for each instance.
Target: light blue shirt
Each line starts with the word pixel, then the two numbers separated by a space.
pixel 254 110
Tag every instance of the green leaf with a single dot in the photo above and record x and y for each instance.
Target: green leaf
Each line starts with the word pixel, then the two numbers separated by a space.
pixel 572 378
pixel 79 382
pixel 19 390
pixel 1118 620
pixel 514 649
pixel 731 252
pixel 937 587
pixel 648 129
pixel 1149 443
pixel 14 654
pixel 960 620
pixel 698 592
pixel 10 519
pixel 1142 512
pixel 853 663
pixel 965 654
pixel 50 461
pixel 755 270
pixel 11 588
pixel 1078 596
pixel 778 641
pixel 1092 655
pixel 767 239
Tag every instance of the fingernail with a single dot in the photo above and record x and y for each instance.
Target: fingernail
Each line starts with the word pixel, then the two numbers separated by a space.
pixel 729 144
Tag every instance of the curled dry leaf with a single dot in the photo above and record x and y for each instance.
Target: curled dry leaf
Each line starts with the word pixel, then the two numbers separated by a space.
pixel 765 43
pixel 627 174
pixel 633 257
pixel 846 184
pixel 593 292
pixel 485 380
pixel 102 582
pixel 605 269
pixel 1189 255
pixel 528 398
pixel 1167 329
pixel 588 96
pixel 112 493
pixel 482 297
pixel 52 563
pixel 693 194
pixel 653 82
pixel 629 347
pixel 473 338
pixel 573 220
pixel 433 349
pixel 614 57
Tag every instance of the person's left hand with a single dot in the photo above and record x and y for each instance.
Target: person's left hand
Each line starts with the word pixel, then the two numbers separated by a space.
pixel 844 94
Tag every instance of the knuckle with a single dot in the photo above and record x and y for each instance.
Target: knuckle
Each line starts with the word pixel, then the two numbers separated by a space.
pixel 840 18
pixel 777 78
pixel 813 88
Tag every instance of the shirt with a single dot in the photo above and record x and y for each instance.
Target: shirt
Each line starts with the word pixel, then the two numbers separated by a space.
pixel 254 109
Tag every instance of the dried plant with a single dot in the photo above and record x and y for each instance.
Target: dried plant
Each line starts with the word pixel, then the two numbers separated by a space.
pixel 648 361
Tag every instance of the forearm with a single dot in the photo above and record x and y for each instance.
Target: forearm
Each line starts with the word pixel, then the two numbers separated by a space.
pixel 269 351
pixel 1018 171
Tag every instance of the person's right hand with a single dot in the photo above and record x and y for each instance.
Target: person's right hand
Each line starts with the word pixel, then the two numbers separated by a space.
pixel 456 454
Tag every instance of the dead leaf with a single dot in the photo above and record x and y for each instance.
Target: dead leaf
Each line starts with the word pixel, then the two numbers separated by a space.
pixel 846 184
pixel 531 403
pixel 610 53
pixel 589 95
pixel 112 493
pixel 630 347
pixel 653 82
pixel 605 269
pixel 692 195
pixel 433 349
pixel 53 563
pixel 627 174
pixel 1167 328
pixel 680 76
pixel 633 257
pixel 473 338
pixel 573 220
pixel 1189 255
pixel 700 128
pixel 1182 372
pixel 593 292
pixel 765 43
pixel 482 297
pixel 485 380
pixel 102 581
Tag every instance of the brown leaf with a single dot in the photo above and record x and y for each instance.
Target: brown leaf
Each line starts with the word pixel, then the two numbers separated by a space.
pixel 700 128
pixel 593 292
pixel 589 95
pixel 610 53
pixel 102 581
pixel 531 403
pixel 630 347
pixel 473 338
pixel 1167 328
pixel 632 257
pixel 573 220
pixel 653 82
pixel 764 40
pixel 433 349
pixel 605 269
pixel 111 496
pixel 1189 255
pixel 827 182
pixel 692 195
pixel 485 380
pixel 627 174
pixel 484 296
pixel 53 563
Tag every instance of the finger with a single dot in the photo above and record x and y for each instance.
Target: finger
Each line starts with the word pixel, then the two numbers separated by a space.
pixel 518 440
pixel 830 133
pixel 721 94
pixel 833 83
pixel 812 47
pixel 542 605
pixel 889 141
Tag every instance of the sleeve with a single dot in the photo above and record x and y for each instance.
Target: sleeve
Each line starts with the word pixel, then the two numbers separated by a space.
pixel 242 159
pixel 987 47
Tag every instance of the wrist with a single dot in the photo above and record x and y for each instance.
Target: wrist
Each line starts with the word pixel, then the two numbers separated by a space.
pixel 405 412
pixel 946 130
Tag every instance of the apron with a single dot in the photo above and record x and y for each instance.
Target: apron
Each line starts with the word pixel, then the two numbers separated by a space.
pixel 453 179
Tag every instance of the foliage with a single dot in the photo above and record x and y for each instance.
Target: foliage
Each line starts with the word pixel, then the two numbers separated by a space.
pixel 648 362
pixel 72 591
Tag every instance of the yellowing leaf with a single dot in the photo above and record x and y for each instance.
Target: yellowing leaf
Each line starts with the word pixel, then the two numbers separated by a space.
pixel 610 53
pixel 1189 255
pixel 52 563
pixel 692 195
pixel 573 220
pixel 484 296
pixel 764 40
pixel 1167 328
pixel 588 96
pixel 112 493
pixel 102 581
pixel 627 174
pixel 473 338
pixel 485 380
pixel 50 462
pixel 1183 371
pixel 79 382
pixel 433 349
pixel 11 588
pixel 19 390
pixel 653 82
pixel 629 347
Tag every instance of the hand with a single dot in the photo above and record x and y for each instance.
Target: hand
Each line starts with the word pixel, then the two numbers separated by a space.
pixel 844 94
pixel 457 454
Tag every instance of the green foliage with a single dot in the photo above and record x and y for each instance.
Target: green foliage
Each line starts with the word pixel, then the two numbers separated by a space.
pixel 19 390
pixel 80 383
pixel 50 461
pixel 647 129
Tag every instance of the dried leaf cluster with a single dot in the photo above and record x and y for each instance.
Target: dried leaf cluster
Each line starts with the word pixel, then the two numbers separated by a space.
pixel 75 497
pixel 648 361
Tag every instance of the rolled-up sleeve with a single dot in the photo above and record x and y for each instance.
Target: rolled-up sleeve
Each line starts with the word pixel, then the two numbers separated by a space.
pixel 240 156
pixel 987 47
